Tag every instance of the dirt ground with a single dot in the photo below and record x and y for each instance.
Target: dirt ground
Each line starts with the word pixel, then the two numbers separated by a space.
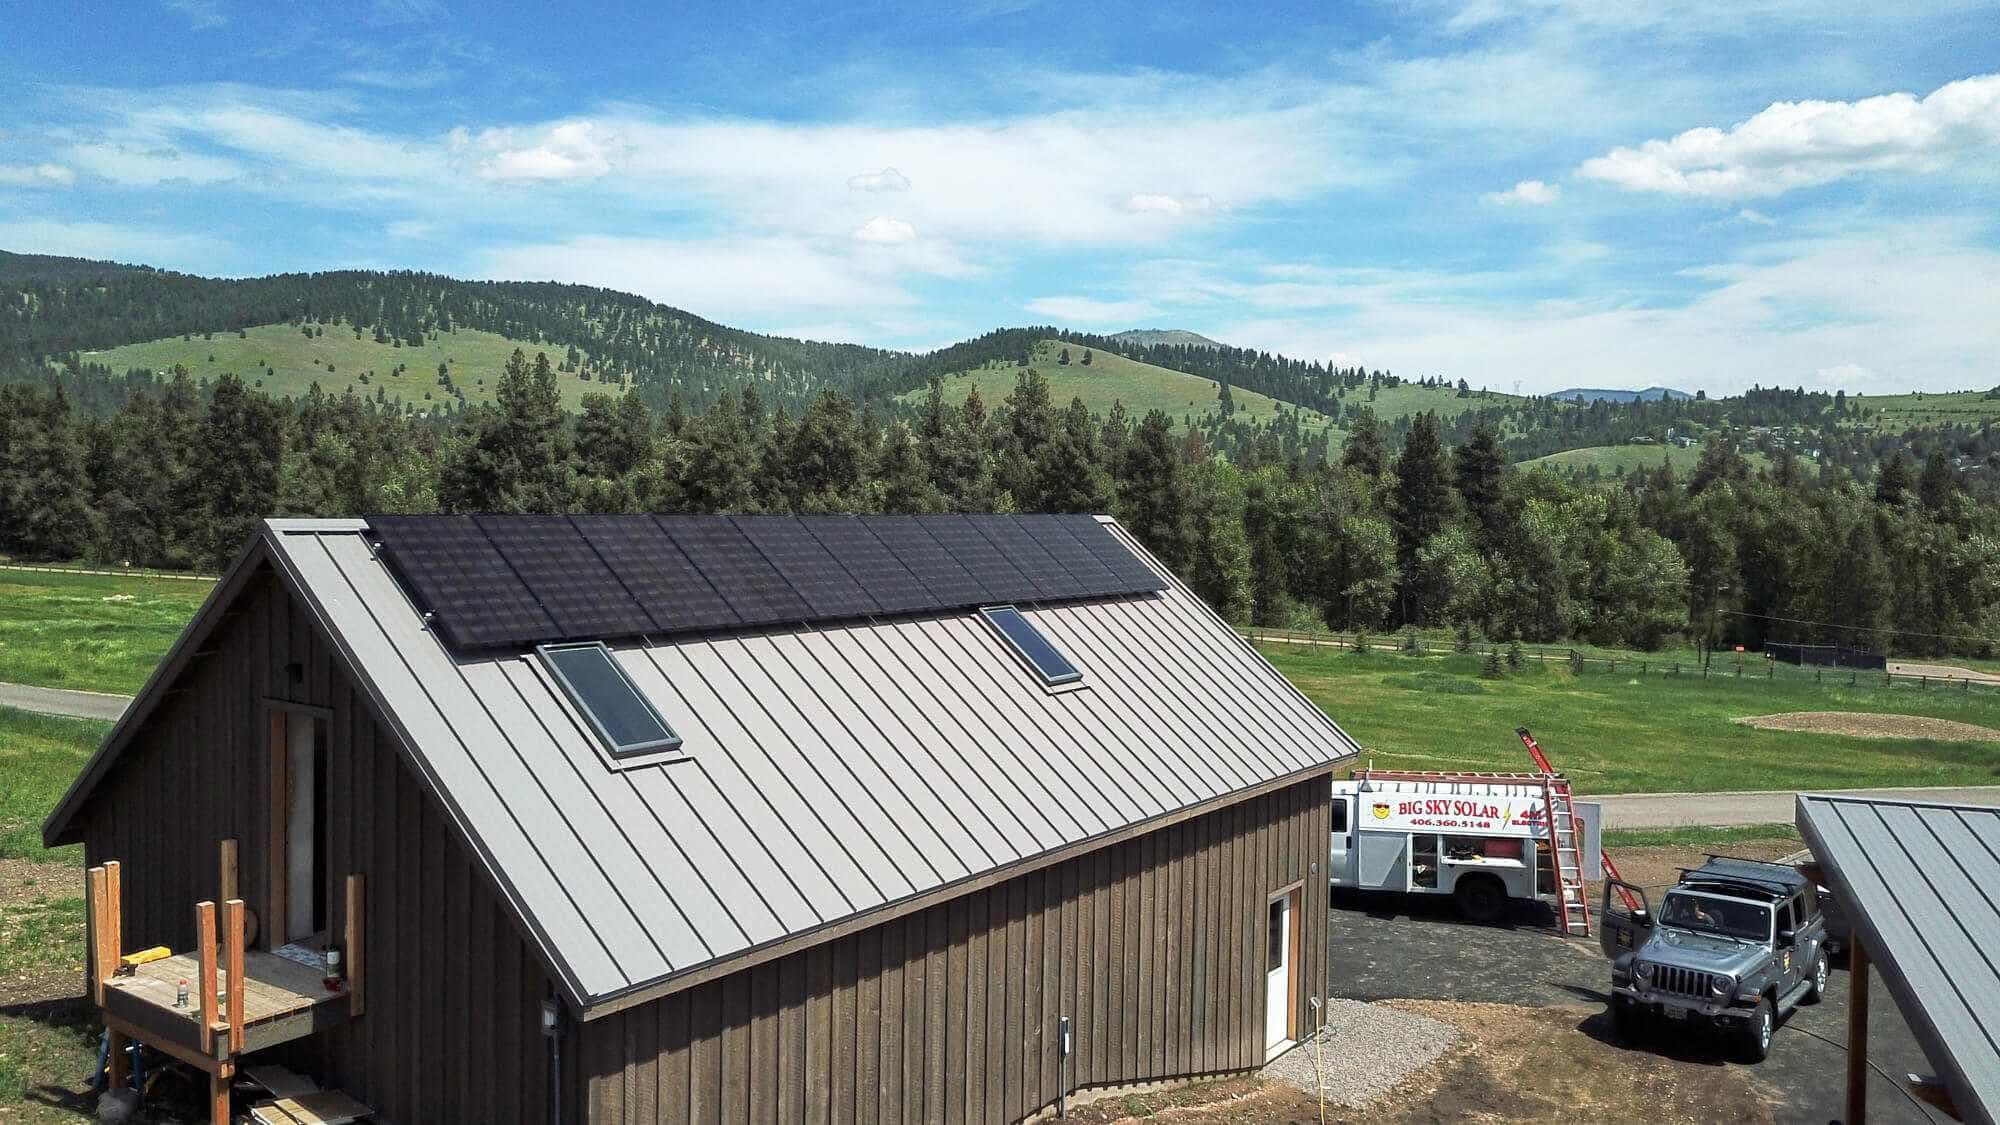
pixel 1942 672
pixel 1862 724
pixel 1656 869
pixel 31 976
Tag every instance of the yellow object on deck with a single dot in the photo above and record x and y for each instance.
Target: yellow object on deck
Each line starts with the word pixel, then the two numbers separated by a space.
pixel 144 956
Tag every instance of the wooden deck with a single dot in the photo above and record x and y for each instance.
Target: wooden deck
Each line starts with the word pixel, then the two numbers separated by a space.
pixel 282 1000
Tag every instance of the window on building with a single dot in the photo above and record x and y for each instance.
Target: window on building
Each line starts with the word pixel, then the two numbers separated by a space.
pixel 609 699
pixel 1028 641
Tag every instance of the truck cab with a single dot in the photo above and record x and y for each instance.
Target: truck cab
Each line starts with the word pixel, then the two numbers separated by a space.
pixel 1737 945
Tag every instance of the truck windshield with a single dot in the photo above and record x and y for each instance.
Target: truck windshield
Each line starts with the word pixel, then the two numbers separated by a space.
pixel 1746 920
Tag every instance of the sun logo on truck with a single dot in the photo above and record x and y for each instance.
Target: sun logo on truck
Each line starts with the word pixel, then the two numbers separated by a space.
pixel 1381 810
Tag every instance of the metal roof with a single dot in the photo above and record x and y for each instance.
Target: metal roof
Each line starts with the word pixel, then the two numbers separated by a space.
pixel 833 776
pixel 1921 883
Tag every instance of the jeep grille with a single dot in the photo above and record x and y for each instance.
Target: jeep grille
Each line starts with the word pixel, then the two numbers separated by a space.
pixel 1683 982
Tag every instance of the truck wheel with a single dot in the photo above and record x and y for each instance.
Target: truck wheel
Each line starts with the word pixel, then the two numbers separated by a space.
pixel 1480 899
pixel 1817 992
pixel 1628 1023
pixel 1755 1043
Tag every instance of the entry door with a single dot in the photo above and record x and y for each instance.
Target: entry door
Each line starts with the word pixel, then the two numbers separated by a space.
pixel 1278 959
pixel 305 828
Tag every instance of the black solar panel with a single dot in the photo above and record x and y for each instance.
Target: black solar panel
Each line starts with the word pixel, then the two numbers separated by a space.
pixel 1050 581
pixel 1003 582
pixel 1092 578
pixel 829 591
pixel 516 580
pixel 455 572
pixel 1133 575
pixel 660 577
pixel 563 573
pixel 949 584
pixel 737 570
pixel 878 570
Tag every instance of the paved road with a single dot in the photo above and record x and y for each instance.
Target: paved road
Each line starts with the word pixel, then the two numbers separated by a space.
pixel 1716 810
pixel 58 701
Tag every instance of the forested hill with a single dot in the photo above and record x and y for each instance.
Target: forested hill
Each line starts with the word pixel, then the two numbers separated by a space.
pixel 58 308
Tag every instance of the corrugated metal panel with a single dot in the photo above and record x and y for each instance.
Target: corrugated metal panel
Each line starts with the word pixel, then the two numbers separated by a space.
pixel 830 772
pixel 1919 883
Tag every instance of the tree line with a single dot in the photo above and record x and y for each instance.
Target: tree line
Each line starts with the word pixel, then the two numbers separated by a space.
pixel 1407 526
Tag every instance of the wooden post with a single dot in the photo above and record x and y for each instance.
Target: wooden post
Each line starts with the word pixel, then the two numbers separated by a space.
pixel 114 918
pixel 226 881
pixel 276 808
pixel 232 936
pixel 218 1096
pixel 117 1064
pixel 1857 1030
pixel 356 998
pixel 94 888
pixel 204 937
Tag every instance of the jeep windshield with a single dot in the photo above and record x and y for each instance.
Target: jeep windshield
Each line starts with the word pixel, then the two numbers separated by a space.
pixel 1688 910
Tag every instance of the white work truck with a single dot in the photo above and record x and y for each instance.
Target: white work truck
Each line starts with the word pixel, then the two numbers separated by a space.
pixel 1481 842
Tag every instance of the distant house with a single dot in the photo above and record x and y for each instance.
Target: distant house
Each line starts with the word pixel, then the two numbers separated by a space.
pixel 720 818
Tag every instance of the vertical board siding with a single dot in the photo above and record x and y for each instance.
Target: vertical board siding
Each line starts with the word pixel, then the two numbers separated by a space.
pixel 1154 946
pixel 443 955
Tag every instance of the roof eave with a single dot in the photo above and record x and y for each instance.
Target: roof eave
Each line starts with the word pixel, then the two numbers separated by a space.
pixel 60 826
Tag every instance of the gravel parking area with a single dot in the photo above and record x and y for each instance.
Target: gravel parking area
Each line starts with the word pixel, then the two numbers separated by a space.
pixel 1364 1051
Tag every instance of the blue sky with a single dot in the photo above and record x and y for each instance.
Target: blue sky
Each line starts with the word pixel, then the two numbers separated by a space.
pixel 1533 193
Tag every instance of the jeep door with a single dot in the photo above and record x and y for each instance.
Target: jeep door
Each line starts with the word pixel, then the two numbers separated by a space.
pixel 1621 928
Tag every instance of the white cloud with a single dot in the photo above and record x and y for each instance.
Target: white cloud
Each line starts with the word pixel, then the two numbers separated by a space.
pixel 141 164
pixel 1846 376
pixel 410 228
pixel 111 241
pixel 1157 203
pixel 201 14
pixel 1530 193
pixel 884 231
pixel 728 279
pixel 567 150
pixel 1090 310
pixel 1793 145
pixel 888 179
pixel 35 175
pixel 1756 218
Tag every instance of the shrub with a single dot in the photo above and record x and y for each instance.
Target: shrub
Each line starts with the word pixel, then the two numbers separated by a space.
pixel 1411 645
pixel 1490 668
pixel 1515 657
pixel 1462 638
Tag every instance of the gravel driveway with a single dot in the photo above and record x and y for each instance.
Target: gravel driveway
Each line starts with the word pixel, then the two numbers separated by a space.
pixel 1391 946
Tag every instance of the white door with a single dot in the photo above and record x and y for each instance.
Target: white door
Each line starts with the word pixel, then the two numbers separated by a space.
pixel 302 837
pixel 1278 976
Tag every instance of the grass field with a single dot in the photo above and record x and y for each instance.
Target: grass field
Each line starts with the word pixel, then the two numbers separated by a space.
pixel 1620 734
pixel 89 631
pixel 1611 460
pixel 1142 387
pixel 284 362
pixel 39 756
pixel 1958 407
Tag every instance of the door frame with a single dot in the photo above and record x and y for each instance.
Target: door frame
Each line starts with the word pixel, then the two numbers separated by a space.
pixel 1293 894
pixel 275 924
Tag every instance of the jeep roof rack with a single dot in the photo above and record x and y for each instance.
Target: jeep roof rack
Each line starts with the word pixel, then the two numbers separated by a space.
pixel 1772 878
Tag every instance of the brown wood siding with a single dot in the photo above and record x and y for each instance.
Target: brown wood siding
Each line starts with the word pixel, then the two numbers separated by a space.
pixel 1154 946
pixel 452 1031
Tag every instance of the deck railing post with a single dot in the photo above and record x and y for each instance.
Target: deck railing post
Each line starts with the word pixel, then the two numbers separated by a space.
pixel 356 997
pixel 93 880
pixel 232 929
pixel 204 931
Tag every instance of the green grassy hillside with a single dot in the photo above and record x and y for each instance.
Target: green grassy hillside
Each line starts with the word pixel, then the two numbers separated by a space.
pixel 281 360
pixel 1403 401
pixel 1957 407
pixel 1613 459
pixel 1110 378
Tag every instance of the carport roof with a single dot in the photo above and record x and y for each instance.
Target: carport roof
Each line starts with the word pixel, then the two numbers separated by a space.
pixel 1921 883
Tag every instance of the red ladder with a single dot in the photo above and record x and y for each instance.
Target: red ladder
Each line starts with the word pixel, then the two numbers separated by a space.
pixel 1569 815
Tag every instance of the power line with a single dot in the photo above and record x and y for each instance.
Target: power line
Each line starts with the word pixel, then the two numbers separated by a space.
pixel 1839 625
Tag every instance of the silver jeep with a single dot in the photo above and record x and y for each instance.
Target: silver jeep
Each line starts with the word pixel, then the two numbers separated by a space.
pixel 1737 945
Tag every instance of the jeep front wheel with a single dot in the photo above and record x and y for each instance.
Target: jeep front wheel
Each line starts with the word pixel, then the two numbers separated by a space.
pixel 1756 1033
pixel 1817 991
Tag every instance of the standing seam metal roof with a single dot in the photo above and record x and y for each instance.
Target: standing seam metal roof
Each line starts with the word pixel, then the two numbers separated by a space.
pixel 1921 883
pixel 831 772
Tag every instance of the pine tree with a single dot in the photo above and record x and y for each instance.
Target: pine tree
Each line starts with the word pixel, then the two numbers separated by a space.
pixel 1489 669
pixel 1477 467
pixel 1892 481
pixel 717 472
pixel 1462 640
pixel 1938 483
pixel 1031 423
pixel 232 477
pixel 1070 476
pixel 1423 505
pixel 826 460
pixel 1151 494
pixel 1364 451
pixel 902 482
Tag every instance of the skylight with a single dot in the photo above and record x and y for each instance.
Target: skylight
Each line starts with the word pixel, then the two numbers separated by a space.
pixel 1028 641
pixel 608 699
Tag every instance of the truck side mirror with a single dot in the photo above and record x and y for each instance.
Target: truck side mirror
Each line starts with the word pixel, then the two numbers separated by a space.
pixel 1787 937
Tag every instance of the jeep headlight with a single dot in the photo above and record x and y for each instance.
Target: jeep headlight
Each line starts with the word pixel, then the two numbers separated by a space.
pixel 1719 986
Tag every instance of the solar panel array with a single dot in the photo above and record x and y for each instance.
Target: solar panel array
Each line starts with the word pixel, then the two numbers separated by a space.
pixel 510 581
